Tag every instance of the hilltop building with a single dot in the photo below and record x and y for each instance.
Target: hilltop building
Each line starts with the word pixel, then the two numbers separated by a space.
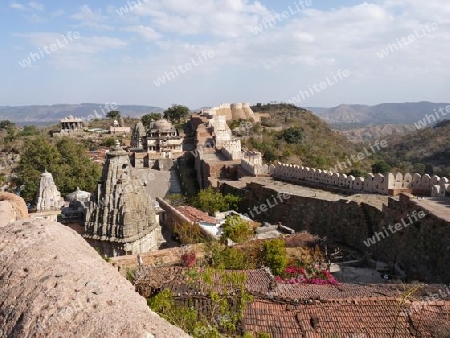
pixel 151 146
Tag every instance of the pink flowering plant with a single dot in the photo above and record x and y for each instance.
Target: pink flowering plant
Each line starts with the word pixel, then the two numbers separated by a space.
pixel 313 274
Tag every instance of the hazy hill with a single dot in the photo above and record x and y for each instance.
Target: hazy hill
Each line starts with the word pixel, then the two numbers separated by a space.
pixel 42 115
pixel 385 113
pixel 425 150
pixel 380 132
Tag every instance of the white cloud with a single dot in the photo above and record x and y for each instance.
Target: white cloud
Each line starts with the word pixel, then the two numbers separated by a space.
pixel 18 6
pixel 33 5
pixel 36 5
pixel 91 19
pixel 147 33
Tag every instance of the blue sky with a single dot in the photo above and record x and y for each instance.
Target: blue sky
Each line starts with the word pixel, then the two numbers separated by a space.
pixel 110 51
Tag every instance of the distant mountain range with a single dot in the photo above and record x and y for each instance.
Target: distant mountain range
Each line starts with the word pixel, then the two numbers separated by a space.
pixel 360 115
pixel 385 113
pixel 44 115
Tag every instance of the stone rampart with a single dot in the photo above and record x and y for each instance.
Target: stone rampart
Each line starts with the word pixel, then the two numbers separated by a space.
pixel 422 248
pixel 392 183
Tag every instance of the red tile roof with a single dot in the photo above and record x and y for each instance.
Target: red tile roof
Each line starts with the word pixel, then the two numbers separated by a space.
pixel 350 318
pixel 195 215
pixel 306 310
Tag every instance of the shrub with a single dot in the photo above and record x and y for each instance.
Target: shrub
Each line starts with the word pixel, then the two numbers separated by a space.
pixel 189 234
pixel 236 229
pixel 189 259
pixel 211 201
pixel 274 255
pixel 231 258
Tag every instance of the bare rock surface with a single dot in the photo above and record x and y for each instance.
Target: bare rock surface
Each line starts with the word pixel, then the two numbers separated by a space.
pixel 53 284
pixel 12 208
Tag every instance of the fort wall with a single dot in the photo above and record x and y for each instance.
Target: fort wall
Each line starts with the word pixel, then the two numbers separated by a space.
pixel 423 248
pixel 392 183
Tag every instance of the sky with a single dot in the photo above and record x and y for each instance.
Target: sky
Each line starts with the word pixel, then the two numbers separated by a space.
pixel 205 52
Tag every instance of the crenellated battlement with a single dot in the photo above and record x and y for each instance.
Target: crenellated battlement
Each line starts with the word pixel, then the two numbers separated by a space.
pixel 392 183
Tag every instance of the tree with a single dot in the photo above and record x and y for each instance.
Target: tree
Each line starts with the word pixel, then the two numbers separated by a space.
pixel 6 124
pixel 292 135
pixel 356 172
pixel 146 119
pixel 236 229
pixel 66 160
pixel 176 113
pixel 113 114
pixel 381 167
pixel 211 201
pixel 108 142
pixel 39 155
pixel 274 255
pixel 29 131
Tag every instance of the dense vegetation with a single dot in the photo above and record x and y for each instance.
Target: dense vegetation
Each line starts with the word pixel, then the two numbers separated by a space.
pixel 65 159
pixel 424 151
pixel 211 201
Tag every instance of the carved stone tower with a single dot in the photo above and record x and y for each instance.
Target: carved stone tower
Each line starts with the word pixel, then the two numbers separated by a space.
pixel 49 198
pixel 121 212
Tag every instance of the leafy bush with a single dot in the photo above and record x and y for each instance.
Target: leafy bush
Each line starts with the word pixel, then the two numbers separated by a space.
pixel 189 234
pixel 109 142
pixel 236 229
pixel 222 257
pixel 381 167
pixel 274 255
pixel 211 201
pixel 292 135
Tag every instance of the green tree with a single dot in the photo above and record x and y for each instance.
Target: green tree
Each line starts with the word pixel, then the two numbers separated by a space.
pixel 113 114
pixel 66 160
pixel 357 173
pixel 75 169
pixel 176 113
pixel 39 155
pixel 6 124
pixel 419 168
pixel 146 119
pixel 211 201
pixel 274 255
pixel 109 142
pixel 29 131
pixel 236 229
pixel 292 135
pixel 381 167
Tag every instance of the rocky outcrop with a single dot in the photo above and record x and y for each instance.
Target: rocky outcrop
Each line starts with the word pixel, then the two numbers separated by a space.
pixel 49 197
pixel 12 208
pixel 53 284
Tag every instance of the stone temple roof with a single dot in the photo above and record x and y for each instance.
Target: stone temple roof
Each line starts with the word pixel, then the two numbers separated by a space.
pixel 139 127
pixel 70 118
pixel 78 195
pixel 161 124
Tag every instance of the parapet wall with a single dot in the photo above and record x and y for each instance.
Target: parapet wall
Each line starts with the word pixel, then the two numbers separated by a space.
pixel 252 162
pixel 232 150
pixel 380 184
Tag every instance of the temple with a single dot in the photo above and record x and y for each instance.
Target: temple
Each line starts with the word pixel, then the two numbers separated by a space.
pixel 158 142
pixel 121 217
